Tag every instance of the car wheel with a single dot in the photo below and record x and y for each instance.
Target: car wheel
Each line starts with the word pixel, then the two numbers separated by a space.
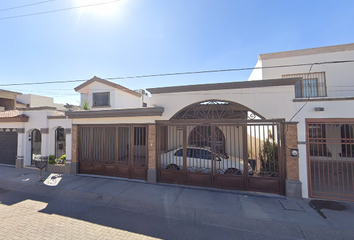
pixel 233 171
pixel 173 167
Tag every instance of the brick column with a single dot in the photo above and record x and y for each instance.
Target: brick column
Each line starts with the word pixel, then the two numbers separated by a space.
pixel 152 173
pixel 72 167
pixel 292 183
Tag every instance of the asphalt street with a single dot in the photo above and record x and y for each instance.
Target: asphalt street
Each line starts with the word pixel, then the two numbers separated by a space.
pixel 89 207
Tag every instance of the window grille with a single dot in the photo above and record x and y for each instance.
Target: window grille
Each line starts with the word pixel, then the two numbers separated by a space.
pixel 311 85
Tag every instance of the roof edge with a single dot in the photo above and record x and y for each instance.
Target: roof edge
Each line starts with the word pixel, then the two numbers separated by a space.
pixel 227 85
pixel 17 93
pixel 127 112
pixel 108 83
pixel 307 51
pixel 56 117
pixel 37 108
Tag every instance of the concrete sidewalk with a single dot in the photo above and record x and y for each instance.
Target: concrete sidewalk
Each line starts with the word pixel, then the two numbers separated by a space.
pixel 269 215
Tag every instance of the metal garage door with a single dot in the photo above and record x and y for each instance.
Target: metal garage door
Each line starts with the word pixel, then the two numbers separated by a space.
pixel 114 150
pixel 8 146
pixel 330 156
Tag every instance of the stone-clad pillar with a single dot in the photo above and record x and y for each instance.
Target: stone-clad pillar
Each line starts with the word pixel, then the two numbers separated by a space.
pixel 292 183
pixel 152 173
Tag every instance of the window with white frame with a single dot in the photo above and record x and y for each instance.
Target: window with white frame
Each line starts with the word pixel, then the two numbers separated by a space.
pixel 312 84
pixel 101 99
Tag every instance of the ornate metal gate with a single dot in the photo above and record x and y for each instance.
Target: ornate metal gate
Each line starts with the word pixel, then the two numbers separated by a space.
pixel 114 150
pixel 221 144
pixel 330 155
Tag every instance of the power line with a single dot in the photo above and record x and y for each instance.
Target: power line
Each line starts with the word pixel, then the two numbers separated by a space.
pixel 231 69
pixel 27 5
pixel 308 99
pixel 182 73
pixel 57 10
pixel 53 93
pixel 68 89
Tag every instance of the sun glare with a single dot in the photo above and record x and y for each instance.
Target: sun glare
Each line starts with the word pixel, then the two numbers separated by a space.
pixel 103 7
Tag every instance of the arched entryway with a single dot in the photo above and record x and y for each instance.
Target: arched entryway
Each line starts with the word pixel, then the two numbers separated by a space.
pixel 222 144
pixel 60 142
pixel 36 143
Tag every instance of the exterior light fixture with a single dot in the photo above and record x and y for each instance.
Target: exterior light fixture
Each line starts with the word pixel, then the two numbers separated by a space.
pixel 294 152
pixel 319 109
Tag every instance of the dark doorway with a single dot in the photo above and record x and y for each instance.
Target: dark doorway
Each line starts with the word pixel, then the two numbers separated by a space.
pixel 60 143
pixel 36 142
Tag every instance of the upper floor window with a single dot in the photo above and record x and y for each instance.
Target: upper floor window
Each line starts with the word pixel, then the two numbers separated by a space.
pixel 100 99
pixel 311 85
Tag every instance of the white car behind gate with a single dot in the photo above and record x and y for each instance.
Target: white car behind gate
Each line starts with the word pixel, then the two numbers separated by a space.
pixel 200 160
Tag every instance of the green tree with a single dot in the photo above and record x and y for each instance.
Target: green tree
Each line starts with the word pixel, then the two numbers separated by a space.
pixel 269 157
pixel 86 105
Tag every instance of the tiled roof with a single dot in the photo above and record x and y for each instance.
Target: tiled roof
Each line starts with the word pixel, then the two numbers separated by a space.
pixel 9 114
pixel 13 116
pixel 58 113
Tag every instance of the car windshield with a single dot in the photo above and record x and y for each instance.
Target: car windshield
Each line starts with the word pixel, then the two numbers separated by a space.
pixel 199 153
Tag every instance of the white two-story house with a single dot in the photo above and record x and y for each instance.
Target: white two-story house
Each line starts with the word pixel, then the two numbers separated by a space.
pixel 322 106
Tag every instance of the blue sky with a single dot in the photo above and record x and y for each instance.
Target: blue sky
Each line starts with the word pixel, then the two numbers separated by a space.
pixel 141 37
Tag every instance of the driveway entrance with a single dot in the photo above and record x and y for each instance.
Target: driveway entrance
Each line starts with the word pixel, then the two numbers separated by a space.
pixel 221 144
pixel 114 150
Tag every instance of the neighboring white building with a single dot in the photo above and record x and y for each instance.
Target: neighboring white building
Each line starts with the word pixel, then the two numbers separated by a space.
pixel 322 101
pixel 34 130
pixel 31 100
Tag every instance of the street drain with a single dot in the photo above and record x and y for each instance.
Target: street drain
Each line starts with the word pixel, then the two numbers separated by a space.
pixel 291 206
pixel 318 205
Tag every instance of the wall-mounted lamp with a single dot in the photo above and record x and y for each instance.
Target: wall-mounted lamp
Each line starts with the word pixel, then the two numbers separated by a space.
pixel 294 152
pixel 319 109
